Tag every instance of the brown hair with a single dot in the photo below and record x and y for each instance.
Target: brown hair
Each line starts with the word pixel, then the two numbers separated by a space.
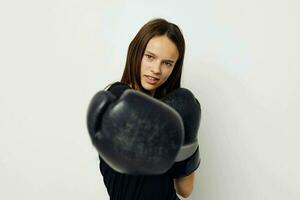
pixel 155 27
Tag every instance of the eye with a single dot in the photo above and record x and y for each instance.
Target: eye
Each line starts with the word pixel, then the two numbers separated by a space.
pixel 148 56
pixel 169 64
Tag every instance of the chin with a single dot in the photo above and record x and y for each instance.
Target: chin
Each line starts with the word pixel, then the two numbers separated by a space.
pixel 149 87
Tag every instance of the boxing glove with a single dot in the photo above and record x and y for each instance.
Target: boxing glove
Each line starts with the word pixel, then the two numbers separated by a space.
pixel 135 134
pixel 188 107
pixel 99 103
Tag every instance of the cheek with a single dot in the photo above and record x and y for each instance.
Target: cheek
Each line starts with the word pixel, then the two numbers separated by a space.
pixel 143 66
pixel 167 73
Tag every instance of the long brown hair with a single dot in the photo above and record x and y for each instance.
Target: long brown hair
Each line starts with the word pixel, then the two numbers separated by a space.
pixel 155 27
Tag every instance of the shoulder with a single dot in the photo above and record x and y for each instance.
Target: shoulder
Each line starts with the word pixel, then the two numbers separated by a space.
pixel 117 88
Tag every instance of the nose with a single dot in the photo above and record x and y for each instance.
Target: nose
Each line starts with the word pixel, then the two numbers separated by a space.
pixel 156 68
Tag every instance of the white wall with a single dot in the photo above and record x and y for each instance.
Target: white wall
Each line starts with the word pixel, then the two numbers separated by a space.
pixel 241 62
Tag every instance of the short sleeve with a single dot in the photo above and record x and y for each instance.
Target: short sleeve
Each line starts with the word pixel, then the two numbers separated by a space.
pixel 117 88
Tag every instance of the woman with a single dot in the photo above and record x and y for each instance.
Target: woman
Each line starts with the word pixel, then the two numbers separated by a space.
pixel 153 66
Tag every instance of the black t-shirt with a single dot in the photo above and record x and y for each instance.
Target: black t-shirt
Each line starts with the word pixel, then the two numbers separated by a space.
pixel 129 187
pixel 132 187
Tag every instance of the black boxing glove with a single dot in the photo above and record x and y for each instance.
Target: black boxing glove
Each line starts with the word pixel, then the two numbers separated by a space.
pixel 134 134
pixel 188 107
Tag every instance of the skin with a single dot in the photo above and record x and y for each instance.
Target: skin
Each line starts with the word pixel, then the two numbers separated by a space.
pixel 158 61
pixel 184 186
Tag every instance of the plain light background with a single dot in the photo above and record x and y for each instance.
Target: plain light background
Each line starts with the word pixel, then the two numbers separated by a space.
pixel 242 63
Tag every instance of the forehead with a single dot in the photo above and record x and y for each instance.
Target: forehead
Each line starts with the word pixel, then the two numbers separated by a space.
pixel 162 47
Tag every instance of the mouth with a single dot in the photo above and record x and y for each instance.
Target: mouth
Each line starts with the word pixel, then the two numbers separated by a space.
pixel 151 79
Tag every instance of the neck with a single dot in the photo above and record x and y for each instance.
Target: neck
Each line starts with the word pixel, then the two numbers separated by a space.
pixel 152 93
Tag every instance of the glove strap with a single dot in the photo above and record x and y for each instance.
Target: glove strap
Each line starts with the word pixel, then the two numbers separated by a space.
pixel 186 151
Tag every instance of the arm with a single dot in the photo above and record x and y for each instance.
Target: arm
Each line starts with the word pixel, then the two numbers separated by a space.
pixel 184 185
pixel 188 158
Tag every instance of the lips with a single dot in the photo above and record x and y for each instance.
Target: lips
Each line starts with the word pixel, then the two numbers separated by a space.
pixel 151 80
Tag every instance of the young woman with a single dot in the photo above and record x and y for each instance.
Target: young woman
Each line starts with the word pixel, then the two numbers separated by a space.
pixel 153 66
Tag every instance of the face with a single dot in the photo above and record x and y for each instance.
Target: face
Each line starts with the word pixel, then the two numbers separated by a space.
pixel 158 62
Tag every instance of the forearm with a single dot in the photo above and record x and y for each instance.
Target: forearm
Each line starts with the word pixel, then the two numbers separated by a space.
pixel 184 185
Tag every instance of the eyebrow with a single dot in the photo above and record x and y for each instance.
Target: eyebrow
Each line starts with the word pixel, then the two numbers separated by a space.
pixel 147 51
